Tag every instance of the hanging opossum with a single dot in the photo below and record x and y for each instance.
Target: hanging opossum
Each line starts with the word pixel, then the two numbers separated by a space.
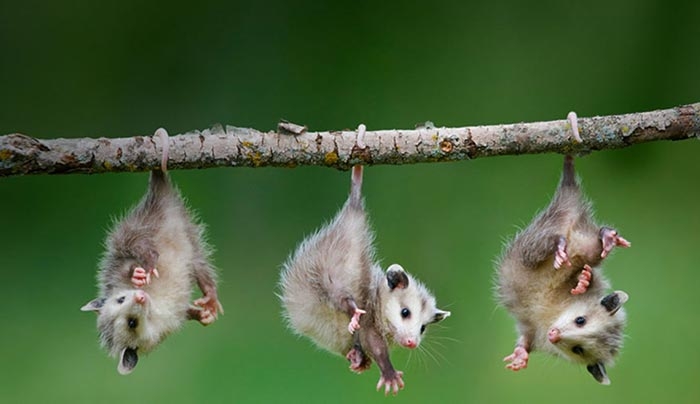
pixel 153 255
pixel 334 292
pixel 549 281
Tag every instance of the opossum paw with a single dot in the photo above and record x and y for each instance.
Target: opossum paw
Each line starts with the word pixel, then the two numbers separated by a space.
pixel 354 324
pixel 560 256
pixel 584 280
pixel 359 362
pixel 392 383
pixel 206 317
pixel 140 277
pixel 210 304
pixel 518 359
pixel 610 239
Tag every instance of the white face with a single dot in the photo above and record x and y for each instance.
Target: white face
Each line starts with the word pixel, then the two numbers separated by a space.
pixel 408 309
pixel 587 333
pixel 123 322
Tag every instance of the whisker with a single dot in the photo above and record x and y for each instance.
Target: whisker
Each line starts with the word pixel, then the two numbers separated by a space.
pixel 442 356
pixel 420 354
pixel 444 338
pixel 430 354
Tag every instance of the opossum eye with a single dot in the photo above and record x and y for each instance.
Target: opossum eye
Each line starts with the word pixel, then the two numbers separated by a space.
pixel 580 321
pixel 121 299
pixel 577 350
pixel 133 323
pixel 422 329
pixel 405 313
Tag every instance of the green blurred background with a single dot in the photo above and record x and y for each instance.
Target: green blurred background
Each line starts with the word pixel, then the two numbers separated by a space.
pixel 83 68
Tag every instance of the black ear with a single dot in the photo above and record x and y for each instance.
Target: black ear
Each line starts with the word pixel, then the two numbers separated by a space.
pixel 396 277
pixel 440 315
pixel 127 361
pixel 598 372
pixel 94 305
pixel 614 301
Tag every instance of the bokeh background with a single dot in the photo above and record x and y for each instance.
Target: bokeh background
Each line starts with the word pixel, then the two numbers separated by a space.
pixel 86 68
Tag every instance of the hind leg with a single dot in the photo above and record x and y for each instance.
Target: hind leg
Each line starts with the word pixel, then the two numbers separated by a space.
pixel 359 361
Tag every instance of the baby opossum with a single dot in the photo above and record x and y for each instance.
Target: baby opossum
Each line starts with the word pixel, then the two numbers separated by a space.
pixel 335 293
pixel 152 257
pixel 549 281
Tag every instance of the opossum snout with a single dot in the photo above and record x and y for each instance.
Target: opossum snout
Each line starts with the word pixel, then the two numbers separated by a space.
pixel 140 297
pixel 409 343
pixel 554 335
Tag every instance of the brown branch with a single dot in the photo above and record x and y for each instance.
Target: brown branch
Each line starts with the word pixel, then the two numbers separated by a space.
pixel 293 145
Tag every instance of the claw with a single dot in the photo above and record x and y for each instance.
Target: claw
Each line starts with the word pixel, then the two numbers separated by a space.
pixel 206 317
pixel 518 359
pixel 610 239
pixel 140 277
pixel 358 361
pixel 210 306
pixel 561 257
pixel 584 280
pixel 354 324
pixel 394 384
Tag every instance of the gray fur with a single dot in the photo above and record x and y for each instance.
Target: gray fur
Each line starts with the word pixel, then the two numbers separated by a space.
pixel 539 296
pixel 159 233
pixel 336 267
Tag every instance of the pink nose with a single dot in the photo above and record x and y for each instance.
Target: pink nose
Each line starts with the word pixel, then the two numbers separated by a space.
pixel 410 343
pixel 140 297
pixel 553 335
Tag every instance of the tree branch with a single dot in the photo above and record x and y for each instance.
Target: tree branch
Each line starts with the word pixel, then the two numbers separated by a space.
pixel 293 146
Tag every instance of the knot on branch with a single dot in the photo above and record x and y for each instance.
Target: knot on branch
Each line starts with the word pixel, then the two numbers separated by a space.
pixel 18 150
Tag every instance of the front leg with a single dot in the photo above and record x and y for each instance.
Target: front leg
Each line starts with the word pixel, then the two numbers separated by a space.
pixel 391 379
pixel 561 257
pixel 584 280
pixel 349 306
pixel 610 239
pixel 146 256
pixel 518 359
pixel 141 277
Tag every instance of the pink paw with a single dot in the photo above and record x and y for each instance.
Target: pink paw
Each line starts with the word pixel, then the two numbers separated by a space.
pixel 211 307
pixel 141 277
pixel 391 383
pixel 584 280
pixel 611 239
pixel 358 361
pixel 561 257
pixel 206 317
pixel 518 359
pixel 354 324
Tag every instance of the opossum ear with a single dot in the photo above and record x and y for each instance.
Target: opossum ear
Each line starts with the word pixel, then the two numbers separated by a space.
pixel 396 277
pixel 599 373
pixel 614 301
pixel 94 305
pixel 440 315
pixel 127 361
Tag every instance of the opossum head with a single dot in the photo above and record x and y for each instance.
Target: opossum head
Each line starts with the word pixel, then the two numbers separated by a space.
pixel 408 307
pixel 590 332
pixel 124 324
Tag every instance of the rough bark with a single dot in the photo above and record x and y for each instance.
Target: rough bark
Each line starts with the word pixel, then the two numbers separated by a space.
pixel 293 145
